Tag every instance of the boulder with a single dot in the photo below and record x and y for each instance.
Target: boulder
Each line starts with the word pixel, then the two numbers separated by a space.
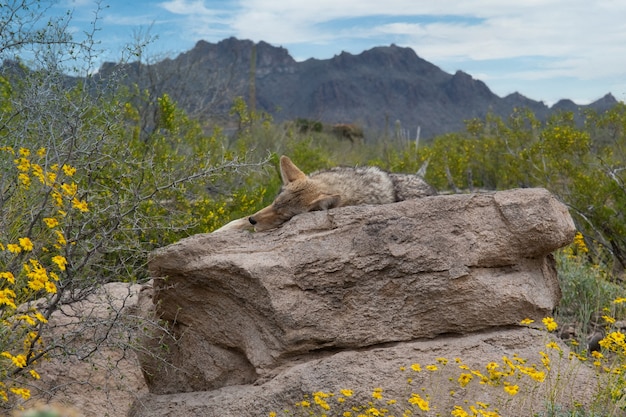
pixel 96 373
pixel 388 367
pixel 247 308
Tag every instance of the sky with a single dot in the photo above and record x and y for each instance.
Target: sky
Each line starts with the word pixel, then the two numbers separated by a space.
pixel 546 50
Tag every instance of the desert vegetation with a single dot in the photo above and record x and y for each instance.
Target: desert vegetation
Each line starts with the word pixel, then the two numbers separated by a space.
pixel 95 174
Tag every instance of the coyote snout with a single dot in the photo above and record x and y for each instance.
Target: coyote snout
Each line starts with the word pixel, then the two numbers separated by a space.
pixel 336 187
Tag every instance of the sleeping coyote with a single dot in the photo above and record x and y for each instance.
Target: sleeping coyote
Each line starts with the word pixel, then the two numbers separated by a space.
pixel 336 187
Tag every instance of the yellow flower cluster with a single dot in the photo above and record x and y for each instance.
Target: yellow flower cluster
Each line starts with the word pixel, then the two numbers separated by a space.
pixel 38 277
pixel 320 399
pixel 48 176
pixel 480 409
pixel 579 243
pixel 615 342
pixel 415 399
pixel 32 267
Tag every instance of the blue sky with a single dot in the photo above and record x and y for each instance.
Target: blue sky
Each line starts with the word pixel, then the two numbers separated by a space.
pixel 543 49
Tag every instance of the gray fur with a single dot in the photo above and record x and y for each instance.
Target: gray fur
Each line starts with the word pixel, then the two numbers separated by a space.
pixel 371 185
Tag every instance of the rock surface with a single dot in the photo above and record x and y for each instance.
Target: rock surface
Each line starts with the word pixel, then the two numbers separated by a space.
pixel 364 370
pixel 97 374
pixel 251 308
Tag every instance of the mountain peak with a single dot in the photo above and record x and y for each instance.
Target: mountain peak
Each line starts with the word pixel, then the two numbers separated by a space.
pixel 377 85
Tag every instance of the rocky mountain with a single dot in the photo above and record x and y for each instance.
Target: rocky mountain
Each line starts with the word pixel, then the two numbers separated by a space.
pixel 375 88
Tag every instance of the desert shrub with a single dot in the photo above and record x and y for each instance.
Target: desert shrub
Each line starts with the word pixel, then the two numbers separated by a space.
pixel 86 192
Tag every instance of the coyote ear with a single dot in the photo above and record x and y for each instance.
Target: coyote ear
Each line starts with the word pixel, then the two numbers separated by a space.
pixel 325 202
pixel 289 172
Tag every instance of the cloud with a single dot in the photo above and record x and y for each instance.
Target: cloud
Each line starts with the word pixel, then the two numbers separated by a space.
pixel 185 7
pixel 500 30
pixel 200 20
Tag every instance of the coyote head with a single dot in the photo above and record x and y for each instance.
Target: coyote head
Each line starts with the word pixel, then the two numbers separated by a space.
pixel 298 194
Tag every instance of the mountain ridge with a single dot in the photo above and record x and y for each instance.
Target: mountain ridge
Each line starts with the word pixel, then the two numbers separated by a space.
pixel 374 88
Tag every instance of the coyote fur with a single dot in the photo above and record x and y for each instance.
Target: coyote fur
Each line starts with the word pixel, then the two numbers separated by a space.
pixel 336 187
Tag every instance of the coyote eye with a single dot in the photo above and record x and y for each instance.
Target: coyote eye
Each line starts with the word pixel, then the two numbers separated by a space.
pixel 252 221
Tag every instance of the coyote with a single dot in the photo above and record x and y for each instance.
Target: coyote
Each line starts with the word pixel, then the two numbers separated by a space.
pixel 336 187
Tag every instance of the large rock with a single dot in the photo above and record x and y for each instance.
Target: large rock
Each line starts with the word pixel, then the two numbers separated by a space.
pixel 243 308
pixel 364 370
pixel 96 373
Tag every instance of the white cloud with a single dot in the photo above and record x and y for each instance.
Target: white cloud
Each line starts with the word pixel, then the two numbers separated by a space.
pixel 185 7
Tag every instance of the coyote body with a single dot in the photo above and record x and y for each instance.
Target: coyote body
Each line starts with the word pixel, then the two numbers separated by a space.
pixel 336 187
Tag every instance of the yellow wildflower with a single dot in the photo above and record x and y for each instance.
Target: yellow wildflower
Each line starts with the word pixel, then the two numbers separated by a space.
pixel 60 261
pixel 8 276
pixel 553 345
pixel 41 152
pixel 38 172
pixel 619 300
pixel 492 366
pixel 70 189
pixel 22 164
pixel 459 412
pixel 50 287
pixel 24 179
pixel 13 248
pixel 22 392
pixel 60 238
pixel 28 319
pixel 416 367
pixel 378 393
pixel 538 376
pixel 550 324
pixel 26 243
pixel 58 198
pixel 19 360
pixel 465 379
pixel 511 389
pixel 40 317
pixel 68 170
pixel 608 319
pixel 80 205
pixel 432 368
pixel 346 392
pixel 51 222
pixel 527 321
pixel 51 177
pixel 7 298
pixel 419 401
pixel 579 242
